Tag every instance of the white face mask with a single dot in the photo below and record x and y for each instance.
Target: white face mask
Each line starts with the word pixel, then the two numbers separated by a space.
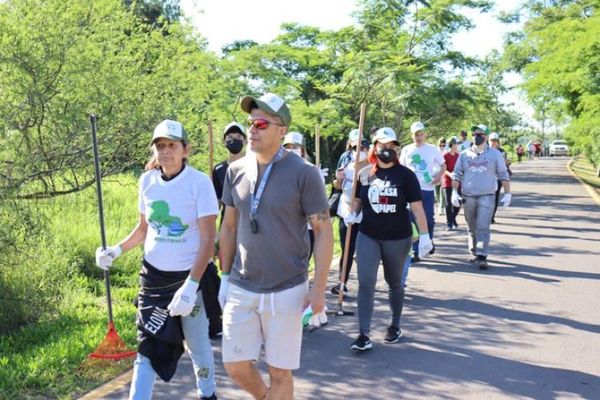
pixel 362 156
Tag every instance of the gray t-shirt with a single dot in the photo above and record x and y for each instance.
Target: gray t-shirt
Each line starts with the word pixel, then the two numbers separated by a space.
pixel 276 257
pixel 479 173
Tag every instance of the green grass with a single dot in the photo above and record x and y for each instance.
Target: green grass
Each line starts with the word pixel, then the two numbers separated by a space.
pixel 584 169
pixel 47 357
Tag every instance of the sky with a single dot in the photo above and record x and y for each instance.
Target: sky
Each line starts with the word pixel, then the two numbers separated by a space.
pixel 223 21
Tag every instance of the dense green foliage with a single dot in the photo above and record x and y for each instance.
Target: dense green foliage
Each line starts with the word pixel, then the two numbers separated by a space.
pixel 558 53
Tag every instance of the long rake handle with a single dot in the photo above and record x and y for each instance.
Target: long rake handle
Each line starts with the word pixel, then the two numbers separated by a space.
pixel 361 125
pixel 101 210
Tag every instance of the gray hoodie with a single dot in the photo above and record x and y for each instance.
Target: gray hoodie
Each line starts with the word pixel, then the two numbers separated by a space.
pixel 479 172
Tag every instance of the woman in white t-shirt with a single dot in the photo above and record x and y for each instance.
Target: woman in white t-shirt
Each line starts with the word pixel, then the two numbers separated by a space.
pixel 343 181
pixel 178 209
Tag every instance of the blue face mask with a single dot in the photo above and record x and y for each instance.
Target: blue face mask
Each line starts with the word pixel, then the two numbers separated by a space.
pixel 479 139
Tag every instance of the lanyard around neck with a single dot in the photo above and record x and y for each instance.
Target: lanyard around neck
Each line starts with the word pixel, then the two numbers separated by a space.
pixel 255 198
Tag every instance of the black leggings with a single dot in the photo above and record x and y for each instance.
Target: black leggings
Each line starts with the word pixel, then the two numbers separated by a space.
pixel 451 211
pixel 342 231
pixel 497 199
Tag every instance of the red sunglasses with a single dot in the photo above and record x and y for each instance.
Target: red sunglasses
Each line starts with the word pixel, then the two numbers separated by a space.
pixel 260 124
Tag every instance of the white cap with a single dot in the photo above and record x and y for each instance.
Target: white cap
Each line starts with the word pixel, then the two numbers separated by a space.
pixel 234 124
pixel 169 129
pixel 353 136
pixel 294 138
pixel 416 127
pixel 494 136
pixel 385 135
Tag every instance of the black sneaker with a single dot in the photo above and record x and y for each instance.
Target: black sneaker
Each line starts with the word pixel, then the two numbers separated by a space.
pixel 414 259
pixel 212 397
pixel 362 343
pixel 336 289
pixel 432 251
pixel 393 335
pixel 482 262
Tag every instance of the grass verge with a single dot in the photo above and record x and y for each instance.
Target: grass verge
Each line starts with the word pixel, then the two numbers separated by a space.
pixel 585 171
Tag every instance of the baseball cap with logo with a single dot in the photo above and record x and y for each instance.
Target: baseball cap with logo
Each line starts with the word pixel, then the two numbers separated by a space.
pixel 481 128
pixel 416 127
pixel 294 138
pixel 169 129
pixel 269 103
pixel 385 135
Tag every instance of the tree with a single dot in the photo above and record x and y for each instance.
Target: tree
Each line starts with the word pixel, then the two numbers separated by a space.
pixel 558 54
pixel 91 57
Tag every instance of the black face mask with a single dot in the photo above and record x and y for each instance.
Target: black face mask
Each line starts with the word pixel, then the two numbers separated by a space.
pixel 386 155
pixel 234 146
pixel 479 139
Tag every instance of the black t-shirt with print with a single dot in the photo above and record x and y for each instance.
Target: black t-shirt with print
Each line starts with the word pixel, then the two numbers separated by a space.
pixel 384 197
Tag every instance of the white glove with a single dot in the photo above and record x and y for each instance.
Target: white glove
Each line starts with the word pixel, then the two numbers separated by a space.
pixel 184 300
pixel 105 257
pixel 317 320
pixel 506 200
pixel 425 244
pixel 455 199
pixel 223 290
pixel 352 218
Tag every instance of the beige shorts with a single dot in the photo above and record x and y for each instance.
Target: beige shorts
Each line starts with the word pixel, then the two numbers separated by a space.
pixel 251 320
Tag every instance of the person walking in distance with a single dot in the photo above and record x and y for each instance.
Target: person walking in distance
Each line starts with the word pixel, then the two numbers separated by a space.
pixel 451 156
pixel 344 178
pixel 463 143
pixel 476 172
pixel 495 143
pixel 269 195
pixel 234 139
pixel 520 152
pixel 384 189
pixel 439 192
pixel 423 159
pixel 178 210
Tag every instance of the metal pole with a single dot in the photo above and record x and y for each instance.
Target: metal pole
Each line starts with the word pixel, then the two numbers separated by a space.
pixel 101 210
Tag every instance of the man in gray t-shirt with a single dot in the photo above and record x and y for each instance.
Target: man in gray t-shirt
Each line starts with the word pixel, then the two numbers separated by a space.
pixel 269 195
pixel 477 171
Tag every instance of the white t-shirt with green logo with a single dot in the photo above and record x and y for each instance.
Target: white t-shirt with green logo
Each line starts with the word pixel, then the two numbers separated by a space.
pixel 172 209
pixel 424 161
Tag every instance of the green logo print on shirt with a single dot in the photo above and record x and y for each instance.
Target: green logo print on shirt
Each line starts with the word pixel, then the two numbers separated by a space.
pixel 160 220
pixel 420 167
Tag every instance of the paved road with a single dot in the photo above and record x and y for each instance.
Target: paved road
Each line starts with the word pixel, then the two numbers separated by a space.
pixel 527 328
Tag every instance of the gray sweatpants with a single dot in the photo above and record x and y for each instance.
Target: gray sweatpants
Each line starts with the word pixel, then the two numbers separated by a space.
pixel 369 252
pixel 478 213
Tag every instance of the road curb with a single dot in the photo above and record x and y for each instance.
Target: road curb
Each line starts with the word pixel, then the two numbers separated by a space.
pixel 593 194
pixel 109 387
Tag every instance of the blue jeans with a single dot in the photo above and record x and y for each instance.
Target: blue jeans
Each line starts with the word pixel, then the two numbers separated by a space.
pixel 428 202
pixel 195 331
